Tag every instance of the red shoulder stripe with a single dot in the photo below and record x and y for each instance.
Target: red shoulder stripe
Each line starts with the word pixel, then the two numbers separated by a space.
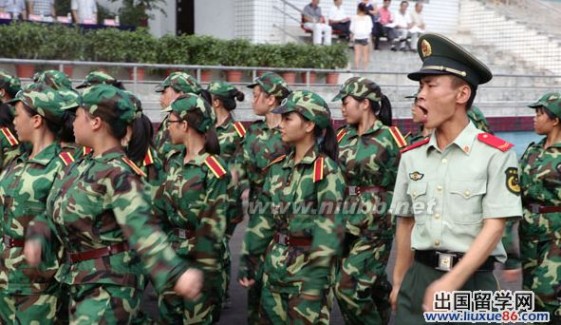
pixel 66 158
pixel 10 136
pixel 134 167
pixel 494 141
pixel 148 159
pixel 399 139
pixel 240 129
pixel 416 145
pixel 87 150
pixel 318 169
pixel 215 166
pixel 341 134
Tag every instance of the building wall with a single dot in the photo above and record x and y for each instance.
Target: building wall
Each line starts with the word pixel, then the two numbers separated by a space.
pixel 215 18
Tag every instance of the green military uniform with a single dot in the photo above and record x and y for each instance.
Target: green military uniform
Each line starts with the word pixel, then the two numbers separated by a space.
pixel 180 82
pixel 99 78
pixel 101 212
pixel 478 119
pixel 301 254
pixel 450 192
pixel 192 202
pixel 540 228
pixel 260 146
pixel 55 79
pixel 369 162
pixel 29 294
pixel 9 143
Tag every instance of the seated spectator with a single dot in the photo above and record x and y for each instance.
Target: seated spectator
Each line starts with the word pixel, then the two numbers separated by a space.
pixel 16 8
pixel 44 8
pixel 388 25
pixel 84 10
pixel 338 18
pixel 361 29
pixel 314 20
pixel 402 24
pixel 418 24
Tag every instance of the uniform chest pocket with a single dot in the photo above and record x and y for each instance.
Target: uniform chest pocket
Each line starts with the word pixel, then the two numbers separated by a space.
pixel 417 191
pixel 465 203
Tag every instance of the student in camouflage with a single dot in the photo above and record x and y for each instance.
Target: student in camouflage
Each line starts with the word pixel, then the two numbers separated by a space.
pixel 476 116
pixel 101 213
pixel 29 294
pixel 98 78
pixel 369 157
pixel 304 228
pixel 175 85
pixel 9 143
pixel 230 135
pixel 540 227
pixel 53 78
pixel 261 145
pixel 192 202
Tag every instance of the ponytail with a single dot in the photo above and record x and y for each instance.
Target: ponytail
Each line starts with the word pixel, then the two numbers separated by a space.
pixel 211 141
pixel 229 102
pixel 141 138
pixel 327 141
pixel 385 111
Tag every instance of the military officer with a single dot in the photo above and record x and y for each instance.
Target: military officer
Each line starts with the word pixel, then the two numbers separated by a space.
pixel 192 206
pixel 305 228
pixel 454 190
pixel 540 228
pixel 262 144
pixel 368 157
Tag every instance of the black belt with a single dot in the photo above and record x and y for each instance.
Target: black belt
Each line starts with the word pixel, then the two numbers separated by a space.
pixel 357 190
pixel 288 240
pixel 445 261
pixel 98 253
pixel 536 208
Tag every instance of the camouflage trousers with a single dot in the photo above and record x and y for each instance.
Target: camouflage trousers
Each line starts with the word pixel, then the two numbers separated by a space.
pixel 101 303
pixel 540 252
pixel 227 269
pixel 205 310
pixel 291 308
pixel 362 287
pixel 27 309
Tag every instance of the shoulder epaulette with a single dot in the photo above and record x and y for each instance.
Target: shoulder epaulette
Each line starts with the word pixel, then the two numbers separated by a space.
pixel 416 145
pixel 341 134
pixel 66 158
pixel 494 141
pixel 240 129
pixel 148 159
pixel 276 160
pixel 12 139
pixel 216 168
pixel 399 139
pixel 134 167
pixel 318 169
pixel 86 150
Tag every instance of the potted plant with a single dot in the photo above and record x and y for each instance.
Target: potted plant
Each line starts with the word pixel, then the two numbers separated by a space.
pixel 236 53
pixel 334 57
pixel 22 40
pixel 290 53
pixel 172 50
pixel 106 45
pixel 204 50
pixel 63 43
pixel 308 58
pixel 141 47
pixel 266 55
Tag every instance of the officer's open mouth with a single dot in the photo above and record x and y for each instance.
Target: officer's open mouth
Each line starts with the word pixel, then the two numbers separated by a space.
pixel 425 112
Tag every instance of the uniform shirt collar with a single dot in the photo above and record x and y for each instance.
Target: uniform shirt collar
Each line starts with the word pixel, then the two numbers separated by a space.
pixel 46 155
pixel 113 153
pixel 226 123
pixel 308 158
pixel 464 141
pixel 352 130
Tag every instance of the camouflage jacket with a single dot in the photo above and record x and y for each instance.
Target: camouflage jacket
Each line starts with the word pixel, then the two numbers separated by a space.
pixel 153 171
pixel 260 146
pixel 193 198
pixel 10 146
pixel 304 198
pixel 370 159
pixel 24 187
pixel 162 141
pixel 476 116
pixel 101 201
pixel 540 179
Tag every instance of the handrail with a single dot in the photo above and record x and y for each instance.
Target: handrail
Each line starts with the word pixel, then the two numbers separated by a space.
pixel 287 33
pixel 287 14
pixel 291 5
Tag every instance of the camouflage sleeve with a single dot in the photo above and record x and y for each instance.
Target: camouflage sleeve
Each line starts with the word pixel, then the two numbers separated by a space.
pixel 328 231
pixel 212 226
pixel 131 207
pixel 511 245
pixel 240 161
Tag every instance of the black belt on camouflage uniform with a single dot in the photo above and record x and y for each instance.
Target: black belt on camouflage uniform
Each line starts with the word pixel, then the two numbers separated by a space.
pixel 97 253
pixel 357 190
pixel 288 240
pixel 536 208
pixel 445 261
pixel 10 242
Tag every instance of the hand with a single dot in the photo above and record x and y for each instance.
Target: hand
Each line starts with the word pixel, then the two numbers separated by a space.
pixel 190 284
pixel 246 283
pixel 393 297
pixel 512 275
pixel 32 252
pixel 432 289
pixel 245 195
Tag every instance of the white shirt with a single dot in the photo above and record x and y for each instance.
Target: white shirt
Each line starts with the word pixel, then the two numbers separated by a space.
pixel 337 13
pixel 87 9
pixel 361 27
pixel 417 20
pixel 402 20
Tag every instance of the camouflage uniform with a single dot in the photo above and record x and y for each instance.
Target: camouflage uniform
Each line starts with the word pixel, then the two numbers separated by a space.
pixel 369 163
pixel 476 116
pixel 29 294
pixel 260 146
pixel 540 229
pixel 101 212
pixel 9 143
pixel 192 201
pixel 307 228
pixel 180 82
pixel 53 78
pixel 98 78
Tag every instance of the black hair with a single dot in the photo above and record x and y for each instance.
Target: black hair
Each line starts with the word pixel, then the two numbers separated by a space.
pixel 229 102
pixel 382 109
pixel 205 94
pixel 362 8
pixel 117 128
pixel 327 141
pixel 212 145
pixel 141 138
pixel 549 113
pixel 7 116
pixel 457 82
pixel 51 126
pixel 66 133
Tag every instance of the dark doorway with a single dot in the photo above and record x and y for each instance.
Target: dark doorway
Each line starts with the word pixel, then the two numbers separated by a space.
pixel 185 17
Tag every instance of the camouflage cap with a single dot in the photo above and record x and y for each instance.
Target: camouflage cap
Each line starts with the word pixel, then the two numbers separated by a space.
pixel 180 82
pixel 136 101
pixel 108 98
pixel 272 84
pixel 44 100
pixel 53 78
pixel 221 88
pixel 71 99
pixel 359 87
pixel 10 83
pixel 551 101
pixel 309 104
pixel 96 78
pixel 189 103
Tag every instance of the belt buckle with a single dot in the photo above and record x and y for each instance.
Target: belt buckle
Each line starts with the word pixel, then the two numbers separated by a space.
pixel 445 261
pixel 182 233
pixel 283 239
pixel 353 190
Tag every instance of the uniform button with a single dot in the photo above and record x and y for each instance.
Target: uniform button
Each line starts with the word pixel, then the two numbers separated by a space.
pixel 437 215
pixel 439 188
pixel 414 193
pixel 467 193
pixel 437 243
pixel 444 160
